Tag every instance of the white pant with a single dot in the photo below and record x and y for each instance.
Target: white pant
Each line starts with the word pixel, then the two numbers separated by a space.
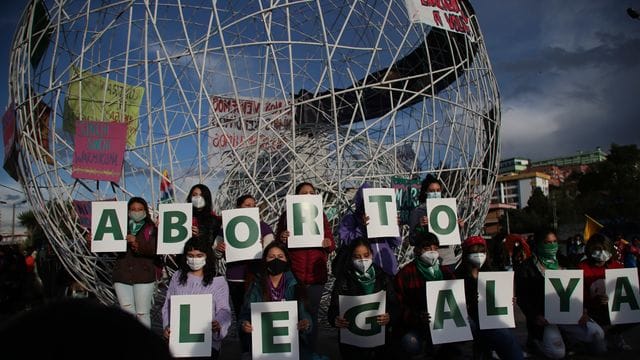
pixel 591 334
pixel 136 299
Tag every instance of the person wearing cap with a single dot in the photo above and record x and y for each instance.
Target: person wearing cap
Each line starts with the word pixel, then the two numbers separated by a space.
pixel 502 341
pixel 599 252
pixel 412 330
pixel 544 336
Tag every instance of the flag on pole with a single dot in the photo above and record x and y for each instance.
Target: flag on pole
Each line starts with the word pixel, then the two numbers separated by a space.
pixel 591 227
pixel 166 189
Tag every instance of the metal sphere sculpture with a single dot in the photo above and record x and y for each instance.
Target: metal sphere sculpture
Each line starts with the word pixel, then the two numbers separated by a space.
pixel 249 97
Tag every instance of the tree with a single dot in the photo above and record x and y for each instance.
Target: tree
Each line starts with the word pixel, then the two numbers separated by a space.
pixel 535 217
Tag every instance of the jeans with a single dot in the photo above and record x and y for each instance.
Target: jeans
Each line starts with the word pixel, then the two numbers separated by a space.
pixel 136 299
pixel 591 334
pixel 502 341
pixel 314 294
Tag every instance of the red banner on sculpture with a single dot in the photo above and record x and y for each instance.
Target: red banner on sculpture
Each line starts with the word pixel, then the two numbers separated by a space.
pixel 99 150
pixel 9 133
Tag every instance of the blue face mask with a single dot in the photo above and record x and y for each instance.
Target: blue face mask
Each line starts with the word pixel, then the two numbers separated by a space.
pixel 434 195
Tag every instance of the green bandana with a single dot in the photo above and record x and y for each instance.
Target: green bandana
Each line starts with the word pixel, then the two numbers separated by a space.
pixel 547 255
pixel 134 227
pixel 367 280
pixel 429 273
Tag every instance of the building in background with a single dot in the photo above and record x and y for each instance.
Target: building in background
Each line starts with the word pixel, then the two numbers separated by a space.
pixel 516 189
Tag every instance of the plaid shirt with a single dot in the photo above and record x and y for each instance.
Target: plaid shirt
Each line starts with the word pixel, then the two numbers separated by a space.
pixel 411 292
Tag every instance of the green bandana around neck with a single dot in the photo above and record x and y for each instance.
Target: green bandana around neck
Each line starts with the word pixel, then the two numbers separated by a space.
pixel 134 227
pixel 429 273
pixel 367 279
pixel 547 255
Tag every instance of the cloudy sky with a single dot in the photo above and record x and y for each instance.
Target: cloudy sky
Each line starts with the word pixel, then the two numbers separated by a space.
pixel 568 72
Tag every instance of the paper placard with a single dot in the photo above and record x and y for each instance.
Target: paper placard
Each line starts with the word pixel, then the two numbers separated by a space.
pixel 563 291
pixel 175 227
pixel 380 207
pixel 448 309
pixel 495 307
pixel 624 295
pixel 361 312
pixel 443 220
pixel 275 330
pixel 108 226
pixel 304 221
pixel 241 228
pixel 191 318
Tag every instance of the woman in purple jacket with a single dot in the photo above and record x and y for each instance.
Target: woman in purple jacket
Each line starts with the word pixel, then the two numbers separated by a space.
pixel 354 226
pixel 197 276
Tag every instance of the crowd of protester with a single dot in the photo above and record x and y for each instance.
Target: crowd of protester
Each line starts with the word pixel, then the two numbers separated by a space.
pixel 361 266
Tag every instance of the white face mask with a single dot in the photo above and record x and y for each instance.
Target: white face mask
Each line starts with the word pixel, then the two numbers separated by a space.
pixel 362 265
pixel 196 263
pixel 477 259
pixel 601 255
pixel 197 201
pixel 137 216
pixel 430 257
pixel 434 195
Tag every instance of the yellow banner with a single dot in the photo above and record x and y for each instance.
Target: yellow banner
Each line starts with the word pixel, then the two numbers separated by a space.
pixel 94 98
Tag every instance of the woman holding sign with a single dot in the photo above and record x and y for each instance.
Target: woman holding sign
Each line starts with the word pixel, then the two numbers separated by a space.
pixel 354 226
pixel 599 251
pixel 410 285
pixel 502 341
pixel 275 283
pixel 544 336
pixel 206 224
pixel 309 264
pixel 431 188
pixel 361 276
pixel 134 273
pixel 196 276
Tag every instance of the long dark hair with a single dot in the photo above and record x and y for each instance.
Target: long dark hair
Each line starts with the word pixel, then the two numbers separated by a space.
pixel 200 244
pixel 206 195
pixel 139 200
pixel 344 256
pixel 264 278
pixel 599 240
pixel 428 180
pixel 242 199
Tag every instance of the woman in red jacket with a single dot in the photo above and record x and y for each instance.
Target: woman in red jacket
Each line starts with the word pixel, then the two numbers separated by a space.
pixel 309 265
pixel 599 253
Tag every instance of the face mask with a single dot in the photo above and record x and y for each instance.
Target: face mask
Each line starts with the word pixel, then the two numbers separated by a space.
pixel 430 257
pixel 197 202
pixel 362 265
pixel 277 266
pixel 137 216
pixel 601 255
pixel 548 250
pixel 79 294
pixel 196 263
pixel 477 259
pixel 434 195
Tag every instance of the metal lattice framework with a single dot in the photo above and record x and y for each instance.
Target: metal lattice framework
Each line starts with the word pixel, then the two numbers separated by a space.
pixel 252 97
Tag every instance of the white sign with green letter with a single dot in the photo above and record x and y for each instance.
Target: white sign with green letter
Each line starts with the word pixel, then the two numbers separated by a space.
pixel 241 229
pixel 495 308
pixel 190 321
pixel 443 220
pixel 624 296
pixel 304 221
pixel 380 207
pixel 361 312
pixel 108 226
pixel 563 296
pixel 175 227
pixel 448 309
pixel 275 330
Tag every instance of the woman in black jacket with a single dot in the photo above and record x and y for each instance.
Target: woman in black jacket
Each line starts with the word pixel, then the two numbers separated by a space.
pixel 360 276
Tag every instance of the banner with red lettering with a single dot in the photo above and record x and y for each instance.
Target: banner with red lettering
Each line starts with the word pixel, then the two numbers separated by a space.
pixel 99 150
pixel 238 125
pixel 444 14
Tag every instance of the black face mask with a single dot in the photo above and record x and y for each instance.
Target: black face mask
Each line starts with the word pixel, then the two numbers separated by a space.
pixel 277 266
